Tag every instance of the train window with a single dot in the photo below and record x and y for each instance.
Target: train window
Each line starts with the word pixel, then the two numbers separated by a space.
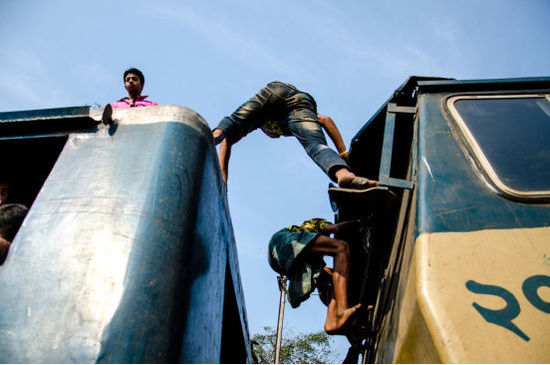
pixel 510 137
pixel 27 163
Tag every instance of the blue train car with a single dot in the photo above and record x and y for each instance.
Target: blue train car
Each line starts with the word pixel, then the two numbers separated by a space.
pixel 456 257
pixel 127 253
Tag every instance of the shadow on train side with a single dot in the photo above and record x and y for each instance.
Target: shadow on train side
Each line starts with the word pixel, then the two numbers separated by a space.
pixel 127 253
pixel 453 257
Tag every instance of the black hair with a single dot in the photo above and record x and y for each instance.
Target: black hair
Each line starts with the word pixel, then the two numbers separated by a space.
pixel 11 217
pixel 134 71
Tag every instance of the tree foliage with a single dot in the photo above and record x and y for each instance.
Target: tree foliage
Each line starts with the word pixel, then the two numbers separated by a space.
pixel 310 348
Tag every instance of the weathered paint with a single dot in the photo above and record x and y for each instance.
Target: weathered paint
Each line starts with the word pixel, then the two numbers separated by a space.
pixel 474 251
pixel 441 322
pixel 123 255
pixel 468 277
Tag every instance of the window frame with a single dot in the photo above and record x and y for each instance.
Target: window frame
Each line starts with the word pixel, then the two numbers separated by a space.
pixel 477 151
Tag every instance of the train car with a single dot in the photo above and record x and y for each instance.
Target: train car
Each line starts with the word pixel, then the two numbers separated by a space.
pixel 127 253
pixel 454 257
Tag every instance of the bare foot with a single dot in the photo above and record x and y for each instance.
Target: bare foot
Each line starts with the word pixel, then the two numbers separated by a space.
pixel 336 321
pixel 356 182
pixel 347 179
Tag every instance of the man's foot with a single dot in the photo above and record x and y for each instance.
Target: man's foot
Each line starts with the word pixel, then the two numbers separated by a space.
pixel 107 117
pixel 357 183
pixel 348 180
pixel 335 322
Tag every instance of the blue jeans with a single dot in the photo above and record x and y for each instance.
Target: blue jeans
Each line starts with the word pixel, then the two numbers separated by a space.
pixel 296 114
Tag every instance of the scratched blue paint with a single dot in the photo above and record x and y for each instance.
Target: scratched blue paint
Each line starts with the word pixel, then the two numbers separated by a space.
pixel 155 193
pixel 452 195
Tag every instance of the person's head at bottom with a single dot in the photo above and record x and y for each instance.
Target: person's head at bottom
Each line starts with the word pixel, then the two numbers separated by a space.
pixel 11 217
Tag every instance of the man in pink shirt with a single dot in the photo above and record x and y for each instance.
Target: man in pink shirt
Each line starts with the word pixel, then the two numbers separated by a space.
pixel 133 82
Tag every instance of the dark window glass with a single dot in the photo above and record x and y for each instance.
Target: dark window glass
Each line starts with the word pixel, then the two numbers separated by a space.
pixel 514 135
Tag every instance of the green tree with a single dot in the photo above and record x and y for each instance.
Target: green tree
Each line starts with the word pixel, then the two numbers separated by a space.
pixel 310 348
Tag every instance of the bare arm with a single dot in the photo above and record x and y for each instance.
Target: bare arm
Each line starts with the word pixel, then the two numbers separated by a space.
pixel 342 226
pixel 224 154
pixel 225 149
pixel 328 124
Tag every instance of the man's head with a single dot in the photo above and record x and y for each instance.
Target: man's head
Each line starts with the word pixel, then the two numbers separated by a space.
pixel 133 81
pixel 11 217
pixel 4 191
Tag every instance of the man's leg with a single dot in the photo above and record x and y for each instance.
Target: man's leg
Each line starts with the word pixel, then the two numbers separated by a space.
pixel 247 116
pixel 304 126
pixel 338 311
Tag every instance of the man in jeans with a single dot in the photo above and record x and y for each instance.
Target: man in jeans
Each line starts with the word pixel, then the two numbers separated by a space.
pixel 281 109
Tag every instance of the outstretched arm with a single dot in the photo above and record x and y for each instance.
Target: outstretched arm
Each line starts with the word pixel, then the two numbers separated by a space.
pixel 328 124
pixel 225 151
pixel 342 226
pixel 223 156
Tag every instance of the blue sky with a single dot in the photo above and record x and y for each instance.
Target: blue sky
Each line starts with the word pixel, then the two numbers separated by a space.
pixel 213 55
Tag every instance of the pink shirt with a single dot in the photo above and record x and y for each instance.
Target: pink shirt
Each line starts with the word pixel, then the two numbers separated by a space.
pixel 125 102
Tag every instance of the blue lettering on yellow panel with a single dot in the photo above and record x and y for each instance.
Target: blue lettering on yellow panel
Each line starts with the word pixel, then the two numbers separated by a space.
pixel 502 317
pixel 530 287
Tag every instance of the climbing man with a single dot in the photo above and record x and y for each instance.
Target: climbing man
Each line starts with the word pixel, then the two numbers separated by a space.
pixel 281 109
pixel 134 81
pixel 297 252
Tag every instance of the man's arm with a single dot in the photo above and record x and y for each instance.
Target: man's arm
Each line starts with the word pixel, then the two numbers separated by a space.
pixel 223 156
pixel 341 227
pixel 225 151
pixel 328 124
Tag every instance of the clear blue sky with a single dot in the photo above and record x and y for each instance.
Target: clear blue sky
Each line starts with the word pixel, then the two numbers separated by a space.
pixel 213 55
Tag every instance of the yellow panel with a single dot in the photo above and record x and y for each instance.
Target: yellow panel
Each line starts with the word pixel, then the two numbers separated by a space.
pixel 438 304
